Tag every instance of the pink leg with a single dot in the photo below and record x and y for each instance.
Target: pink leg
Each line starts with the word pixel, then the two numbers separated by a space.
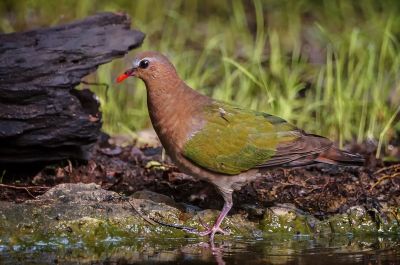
pixel 216 227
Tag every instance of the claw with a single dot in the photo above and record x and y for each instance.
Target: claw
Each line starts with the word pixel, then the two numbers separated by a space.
pixel 209 232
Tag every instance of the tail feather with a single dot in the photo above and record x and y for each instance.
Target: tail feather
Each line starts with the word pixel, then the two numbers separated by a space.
pixel 336 156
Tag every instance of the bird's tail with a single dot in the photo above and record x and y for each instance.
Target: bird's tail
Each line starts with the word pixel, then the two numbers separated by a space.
pixel 336 156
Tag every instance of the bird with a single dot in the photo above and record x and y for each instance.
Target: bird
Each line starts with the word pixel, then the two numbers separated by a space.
pixel 222 143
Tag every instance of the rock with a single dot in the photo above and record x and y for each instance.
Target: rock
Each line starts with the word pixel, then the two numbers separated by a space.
pixel 156 197
pixel 79 193
pixel 86 213
pixel 253 210
pixel 285 219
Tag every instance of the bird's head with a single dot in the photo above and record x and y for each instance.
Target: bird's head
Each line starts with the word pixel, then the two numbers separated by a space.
pixel 149 66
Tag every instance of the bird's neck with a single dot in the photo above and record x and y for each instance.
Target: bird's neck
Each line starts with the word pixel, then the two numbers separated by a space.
pixel 173 108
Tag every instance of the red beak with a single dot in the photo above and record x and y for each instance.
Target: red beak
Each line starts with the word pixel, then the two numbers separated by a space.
pixel 125 75
pixel 122 77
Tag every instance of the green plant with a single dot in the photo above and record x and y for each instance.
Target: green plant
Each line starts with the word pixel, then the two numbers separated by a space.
pixel 330 67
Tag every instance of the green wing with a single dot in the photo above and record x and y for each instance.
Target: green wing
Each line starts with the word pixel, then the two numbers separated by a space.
pixel 234 140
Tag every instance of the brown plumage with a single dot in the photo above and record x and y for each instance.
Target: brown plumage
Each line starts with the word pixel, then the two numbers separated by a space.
pixel 221 143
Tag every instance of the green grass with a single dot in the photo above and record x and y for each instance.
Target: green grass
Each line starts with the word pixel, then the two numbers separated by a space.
pixel 330 67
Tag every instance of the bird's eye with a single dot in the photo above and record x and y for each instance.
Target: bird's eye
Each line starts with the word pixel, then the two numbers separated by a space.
pixel 144 64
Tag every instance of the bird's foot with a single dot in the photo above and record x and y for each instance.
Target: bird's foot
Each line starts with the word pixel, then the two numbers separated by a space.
pixel 208 232
pixel 213 231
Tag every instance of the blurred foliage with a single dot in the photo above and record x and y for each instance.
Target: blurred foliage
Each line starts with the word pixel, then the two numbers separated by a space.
pixel 330 67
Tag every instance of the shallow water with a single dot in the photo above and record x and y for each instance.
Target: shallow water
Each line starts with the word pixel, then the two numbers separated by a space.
pixel 273 250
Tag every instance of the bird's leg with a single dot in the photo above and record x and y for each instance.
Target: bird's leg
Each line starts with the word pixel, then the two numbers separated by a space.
pixel 216 227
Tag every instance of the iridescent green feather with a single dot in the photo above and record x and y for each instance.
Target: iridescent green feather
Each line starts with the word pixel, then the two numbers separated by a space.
pixel 234 140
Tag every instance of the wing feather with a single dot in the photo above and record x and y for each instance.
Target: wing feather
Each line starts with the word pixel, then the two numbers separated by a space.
pixel 234 140
pixel 304 148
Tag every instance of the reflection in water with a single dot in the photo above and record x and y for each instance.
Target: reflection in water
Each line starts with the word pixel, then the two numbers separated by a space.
pixel 273 250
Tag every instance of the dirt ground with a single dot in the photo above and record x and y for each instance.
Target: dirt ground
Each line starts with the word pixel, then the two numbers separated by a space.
pixel 319 189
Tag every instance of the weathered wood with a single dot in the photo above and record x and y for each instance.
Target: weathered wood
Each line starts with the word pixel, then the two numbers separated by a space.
pixel 42 116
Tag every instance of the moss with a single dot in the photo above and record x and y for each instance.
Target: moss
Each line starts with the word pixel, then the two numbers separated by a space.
pixel 99 226
pixel 356 221
pixel 285 221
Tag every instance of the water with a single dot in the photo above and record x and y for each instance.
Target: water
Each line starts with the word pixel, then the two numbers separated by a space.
pixel 274 250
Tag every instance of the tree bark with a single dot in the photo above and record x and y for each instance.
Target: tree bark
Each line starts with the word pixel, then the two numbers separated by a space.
pixel 42 116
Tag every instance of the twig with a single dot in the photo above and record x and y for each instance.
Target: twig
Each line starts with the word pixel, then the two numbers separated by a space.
pixel 180 227
pixel 387 168
pixel 153 221
pixel 21 187
pixel 24 188
pixel 147 219
pixel 382 179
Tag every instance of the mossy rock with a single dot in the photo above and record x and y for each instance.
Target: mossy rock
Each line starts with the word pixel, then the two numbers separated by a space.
pixel 86 214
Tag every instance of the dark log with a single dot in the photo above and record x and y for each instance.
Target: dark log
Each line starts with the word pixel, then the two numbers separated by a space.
pixel 42 116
